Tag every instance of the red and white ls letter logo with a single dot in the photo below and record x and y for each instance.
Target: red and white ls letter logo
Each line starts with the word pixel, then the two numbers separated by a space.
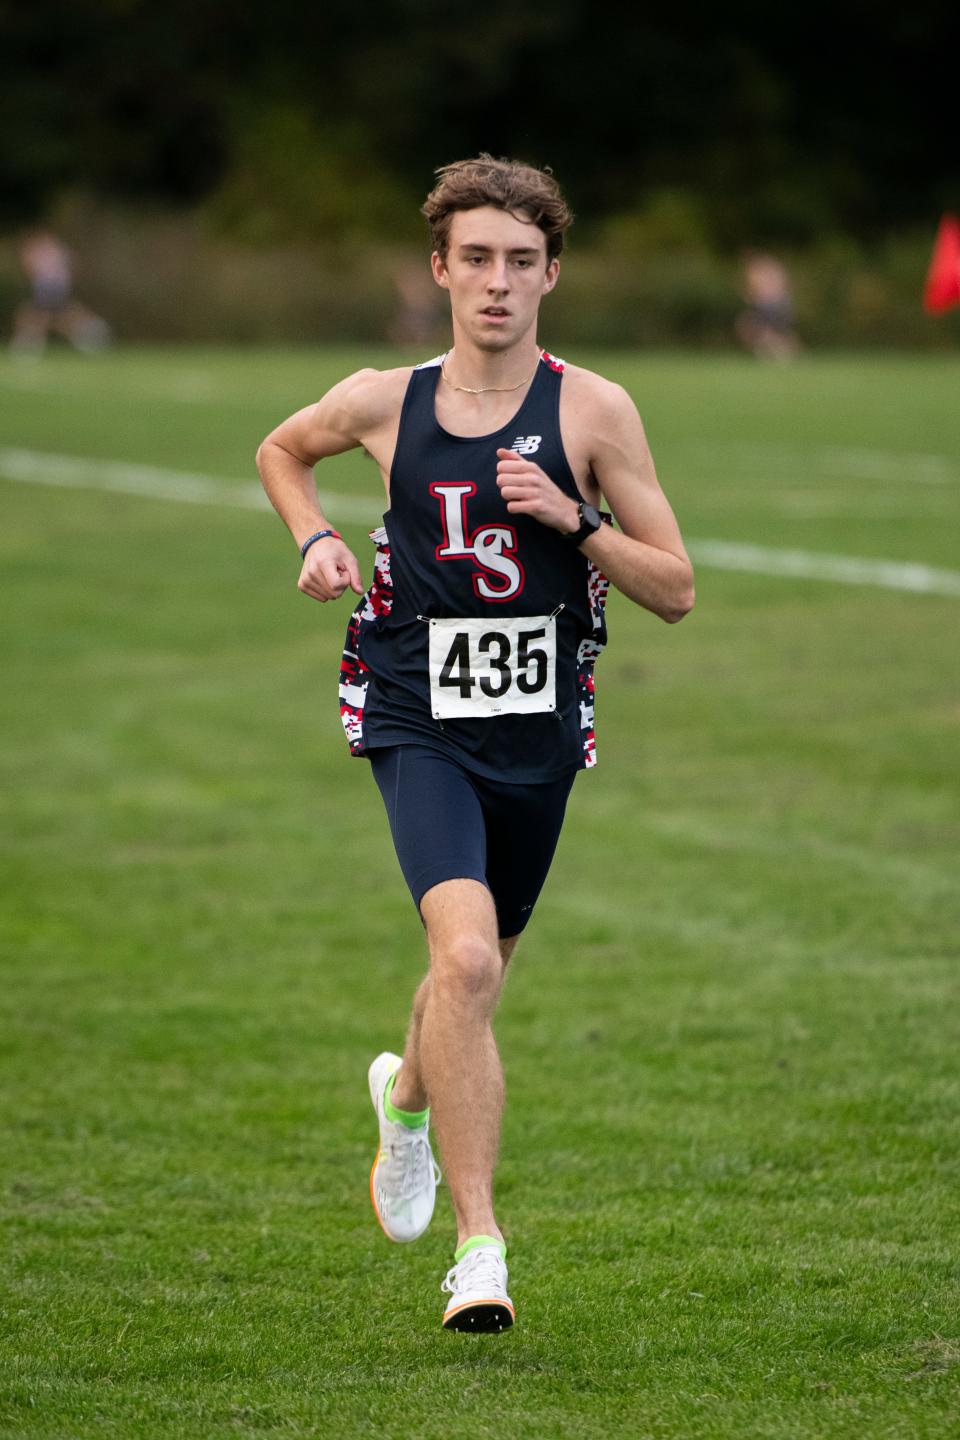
pixel 492 548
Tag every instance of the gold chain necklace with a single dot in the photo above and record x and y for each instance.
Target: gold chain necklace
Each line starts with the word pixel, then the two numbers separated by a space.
pixel 483 389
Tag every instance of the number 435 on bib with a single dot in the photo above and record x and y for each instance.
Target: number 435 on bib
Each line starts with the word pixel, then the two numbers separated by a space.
pixel 482 668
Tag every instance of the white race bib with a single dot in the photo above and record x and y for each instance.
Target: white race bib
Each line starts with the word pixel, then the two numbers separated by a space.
pixel 480 668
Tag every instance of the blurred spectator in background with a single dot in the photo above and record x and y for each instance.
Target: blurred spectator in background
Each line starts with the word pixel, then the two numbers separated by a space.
pixel 765 327
pixel 47 264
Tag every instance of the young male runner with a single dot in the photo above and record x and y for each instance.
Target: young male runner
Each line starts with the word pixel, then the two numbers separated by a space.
pixel 467 675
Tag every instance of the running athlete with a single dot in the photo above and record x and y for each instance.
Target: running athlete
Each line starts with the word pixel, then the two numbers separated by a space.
pixel 467 676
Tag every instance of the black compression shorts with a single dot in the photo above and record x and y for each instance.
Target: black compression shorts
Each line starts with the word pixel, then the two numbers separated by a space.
pixel 450 824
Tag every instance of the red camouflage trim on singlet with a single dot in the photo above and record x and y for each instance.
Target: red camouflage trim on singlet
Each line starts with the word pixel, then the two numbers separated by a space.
pixel 354 674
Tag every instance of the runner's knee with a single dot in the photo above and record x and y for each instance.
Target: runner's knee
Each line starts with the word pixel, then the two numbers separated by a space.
pixel 467 967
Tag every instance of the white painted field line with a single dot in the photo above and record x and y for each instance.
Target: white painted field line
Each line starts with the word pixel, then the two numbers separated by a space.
pixel 889 465
pixel 855 462
pixel 74 472
pixel 809 565
pixel 77 473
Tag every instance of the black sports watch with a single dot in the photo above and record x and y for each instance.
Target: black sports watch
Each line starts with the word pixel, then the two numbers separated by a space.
pixel 590 523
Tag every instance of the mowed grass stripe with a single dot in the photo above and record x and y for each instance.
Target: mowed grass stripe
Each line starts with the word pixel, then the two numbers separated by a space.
pixel 75 472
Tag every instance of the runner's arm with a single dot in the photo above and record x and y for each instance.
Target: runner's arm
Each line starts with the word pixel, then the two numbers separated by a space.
pixel 645 559
pixel 285 460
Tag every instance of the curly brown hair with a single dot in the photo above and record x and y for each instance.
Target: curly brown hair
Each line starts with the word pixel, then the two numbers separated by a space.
pixel 506 184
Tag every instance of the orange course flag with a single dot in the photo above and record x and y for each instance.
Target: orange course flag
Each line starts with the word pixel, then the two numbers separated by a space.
pixel 943 278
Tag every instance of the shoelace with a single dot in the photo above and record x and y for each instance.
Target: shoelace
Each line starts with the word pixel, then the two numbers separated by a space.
pixel 409 1160
pixel 480 1269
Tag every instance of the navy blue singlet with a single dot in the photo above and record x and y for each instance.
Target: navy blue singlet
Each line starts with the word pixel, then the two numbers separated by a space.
pixel 451 553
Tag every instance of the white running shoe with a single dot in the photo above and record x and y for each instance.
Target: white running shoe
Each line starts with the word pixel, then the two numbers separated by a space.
pixel 404 1177
pixel 478 1293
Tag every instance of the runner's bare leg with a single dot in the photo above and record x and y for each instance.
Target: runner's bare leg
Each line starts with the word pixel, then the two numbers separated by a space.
pixel 460 1073
pixel 408 1090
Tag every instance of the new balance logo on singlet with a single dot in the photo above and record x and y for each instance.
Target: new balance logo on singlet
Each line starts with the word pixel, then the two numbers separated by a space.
pixel 527 444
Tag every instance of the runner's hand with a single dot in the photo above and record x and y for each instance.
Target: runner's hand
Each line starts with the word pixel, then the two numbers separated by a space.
pixel 329 568
pixel 528 490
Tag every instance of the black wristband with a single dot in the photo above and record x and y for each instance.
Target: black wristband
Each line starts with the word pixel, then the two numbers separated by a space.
pixel 320 535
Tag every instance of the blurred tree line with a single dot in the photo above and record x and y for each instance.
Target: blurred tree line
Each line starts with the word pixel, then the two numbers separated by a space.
pixel 685 133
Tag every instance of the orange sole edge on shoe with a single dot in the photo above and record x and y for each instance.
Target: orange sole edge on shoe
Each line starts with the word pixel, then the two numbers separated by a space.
pixel 480 1317
pixel 373 1200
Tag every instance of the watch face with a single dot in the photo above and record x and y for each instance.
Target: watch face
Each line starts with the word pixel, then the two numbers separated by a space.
pixel 590 522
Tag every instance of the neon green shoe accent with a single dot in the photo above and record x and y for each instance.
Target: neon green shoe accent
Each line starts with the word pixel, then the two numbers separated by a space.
pixel 414 1120
pixel 475 1242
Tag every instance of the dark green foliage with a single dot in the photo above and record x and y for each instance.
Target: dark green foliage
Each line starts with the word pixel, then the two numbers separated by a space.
pixel 785 124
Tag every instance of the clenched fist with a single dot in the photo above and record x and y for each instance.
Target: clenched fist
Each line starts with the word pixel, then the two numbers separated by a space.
pixel 528 490
pixel 329 568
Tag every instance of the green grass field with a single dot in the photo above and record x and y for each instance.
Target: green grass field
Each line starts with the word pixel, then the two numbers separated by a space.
pixel 729 1172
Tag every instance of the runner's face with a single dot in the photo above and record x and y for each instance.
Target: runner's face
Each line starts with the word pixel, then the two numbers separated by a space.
pixel 497 272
